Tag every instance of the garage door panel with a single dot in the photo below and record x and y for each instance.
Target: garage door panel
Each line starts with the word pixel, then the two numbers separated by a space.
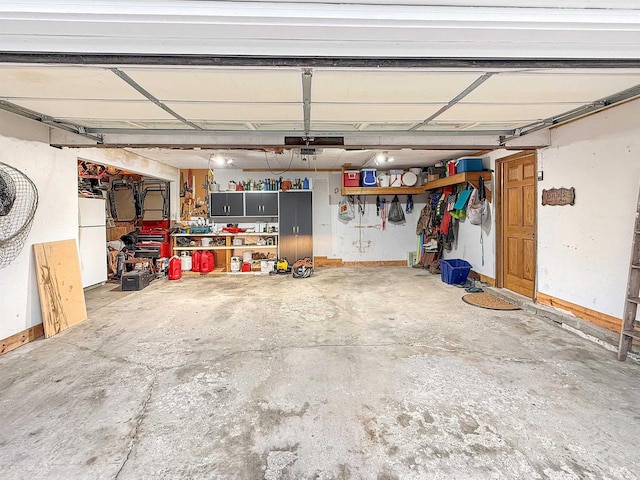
pixel 523 113
pixel 240 85
pixel 549 88
pixel 366 86
pixel 64 83
pixel 98 109
pixel 242 112
pixel 372 112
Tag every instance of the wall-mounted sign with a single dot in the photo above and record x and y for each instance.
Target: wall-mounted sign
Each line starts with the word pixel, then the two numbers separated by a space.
pixel 559 196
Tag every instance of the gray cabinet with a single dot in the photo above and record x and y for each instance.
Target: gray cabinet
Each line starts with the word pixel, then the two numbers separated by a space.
pixel 259 204
pixel 296 225
pixel 227 204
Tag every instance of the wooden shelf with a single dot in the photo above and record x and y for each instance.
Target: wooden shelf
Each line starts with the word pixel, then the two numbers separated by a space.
pixel 227 234
pixel 459 178
pixel 382 190
pixel 215 247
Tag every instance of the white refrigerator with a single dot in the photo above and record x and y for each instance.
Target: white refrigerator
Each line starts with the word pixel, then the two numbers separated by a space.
pixel 92 240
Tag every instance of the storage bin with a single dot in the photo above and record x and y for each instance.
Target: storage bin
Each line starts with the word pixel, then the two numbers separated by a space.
pixel 368 177
pixel 351 178
pixel 396 178
pixel 266 266
pixel 134 281
pixel 454 271
pixel 469 164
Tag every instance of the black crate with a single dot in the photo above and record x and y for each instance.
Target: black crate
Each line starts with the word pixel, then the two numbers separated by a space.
pixel 133 281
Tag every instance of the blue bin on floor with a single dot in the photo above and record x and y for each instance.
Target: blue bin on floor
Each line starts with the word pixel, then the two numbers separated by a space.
pixel 454 271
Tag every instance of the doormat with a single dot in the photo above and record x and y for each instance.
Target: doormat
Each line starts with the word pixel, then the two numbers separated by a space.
pixel 486 300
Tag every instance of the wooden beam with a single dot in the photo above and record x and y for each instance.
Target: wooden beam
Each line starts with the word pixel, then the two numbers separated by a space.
pixel 21 338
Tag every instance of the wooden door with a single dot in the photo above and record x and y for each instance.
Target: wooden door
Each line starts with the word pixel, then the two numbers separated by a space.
pixel 519 224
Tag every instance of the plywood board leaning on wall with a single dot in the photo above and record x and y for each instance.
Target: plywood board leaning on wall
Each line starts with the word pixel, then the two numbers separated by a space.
pixel 59 285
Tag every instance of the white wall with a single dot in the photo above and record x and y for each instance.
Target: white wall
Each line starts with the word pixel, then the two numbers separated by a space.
pixel 359 240
pixel 54 172
pixel 135 163
pixel 467 245
pixel 584 250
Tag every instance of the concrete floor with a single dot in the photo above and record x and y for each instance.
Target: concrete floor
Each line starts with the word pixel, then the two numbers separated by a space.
pixel 368 373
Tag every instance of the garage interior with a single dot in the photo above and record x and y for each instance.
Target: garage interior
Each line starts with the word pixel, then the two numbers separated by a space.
pixel 372 366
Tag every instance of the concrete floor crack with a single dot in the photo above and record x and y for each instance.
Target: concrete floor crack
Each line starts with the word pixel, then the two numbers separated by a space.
pixel 134 435
pixel 110 357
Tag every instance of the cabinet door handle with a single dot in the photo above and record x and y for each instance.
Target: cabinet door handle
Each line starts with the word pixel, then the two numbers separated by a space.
pixel 293 229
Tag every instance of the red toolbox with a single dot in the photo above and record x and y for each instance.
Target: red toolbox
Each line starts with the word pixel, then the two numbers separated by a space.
pixel 153 243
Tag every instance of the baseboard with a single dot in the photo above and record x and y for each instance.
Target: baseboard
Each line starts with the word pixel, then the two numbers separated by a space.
pixel 338 262
pixel 327 262
pixel 601 319
pixel 380 263
pixel 20 338
pixel 483 278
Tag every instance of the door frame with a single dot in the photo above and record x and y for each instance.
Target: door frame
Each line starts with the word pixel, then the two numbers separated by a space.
pixel 499 202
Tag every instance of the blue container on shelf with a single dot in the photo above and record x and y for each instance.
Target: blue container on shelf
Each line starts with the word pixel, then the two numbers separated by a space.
pixel 469 164
pixel 368 177
pixel 454 271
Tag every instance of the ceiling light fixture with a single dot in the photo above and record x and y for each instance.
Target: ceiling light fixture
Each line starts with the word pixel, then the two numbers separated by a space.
pixel 220 160
pixel 382 158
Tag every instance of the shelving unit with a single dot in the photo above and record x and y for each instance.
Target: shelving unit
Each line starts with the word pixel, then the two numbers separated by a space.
pixel 460 178
pixel 382 190
pixel 228 247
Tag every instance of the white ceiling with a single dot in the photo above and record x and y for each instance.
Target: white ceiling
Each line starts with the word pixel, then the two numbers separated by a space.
pixel 251 102
pixel 329 158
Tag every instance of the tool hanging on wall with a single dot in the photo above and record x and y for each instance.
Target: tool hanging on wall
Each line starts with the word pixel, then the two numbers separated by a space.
pixel 361 202
pixel 409 207
pixel 383 211
pixel 378 206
